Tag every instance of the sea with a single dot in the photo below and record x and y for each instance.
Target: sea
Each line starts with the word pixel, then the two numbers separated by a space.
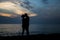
pixel 16 29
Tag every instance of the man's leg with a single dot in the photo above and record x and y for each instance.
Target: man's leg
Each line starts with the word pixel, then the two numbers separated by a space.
pixel 27 31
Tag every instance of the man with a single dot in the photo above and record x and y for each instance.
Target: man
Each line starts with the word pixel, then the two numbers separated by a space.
pixel 25 23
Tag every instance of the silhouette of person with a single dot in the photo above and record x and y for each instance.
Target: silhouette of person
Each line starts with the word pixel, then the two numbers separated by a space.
pixel 25 24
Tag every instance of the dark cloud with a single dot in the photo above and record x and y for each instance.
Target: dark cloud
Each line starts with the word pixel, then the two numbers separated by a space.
pixel 26 4
pixel 0 0
pixel 8 0
pixel 45 1
pixel 3 0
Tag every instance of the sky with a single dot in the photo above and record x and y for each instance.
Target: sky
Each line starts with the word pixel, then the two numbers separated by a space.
pixel 40 11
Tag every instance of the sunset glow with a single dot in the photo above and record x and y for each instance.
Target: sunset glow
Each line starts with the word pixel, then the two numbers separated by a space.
pixel 5 14
pixel 15 8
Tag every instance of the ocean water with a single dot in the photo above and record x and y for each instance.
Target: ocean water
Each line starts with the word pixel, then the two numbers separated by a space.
pixel 16 29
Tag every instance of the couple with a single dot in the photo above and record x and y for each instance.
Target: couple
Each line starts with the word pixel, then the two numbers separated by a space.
pixel 25 24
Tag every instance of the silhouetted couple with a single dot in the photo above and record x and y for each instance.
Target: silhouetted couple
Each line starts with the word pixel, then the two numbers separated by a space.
pixel 25 24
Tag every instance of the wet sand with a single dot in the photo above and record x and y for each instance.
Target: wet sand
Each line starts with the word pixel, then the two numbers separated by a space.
pixel 32 37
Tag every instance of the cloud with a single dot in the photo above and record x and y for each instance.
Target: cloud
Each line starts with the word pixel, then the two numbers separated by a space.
pixel 47 11
pixel 50 10
pixel 45 1
pixel 10 7
pixel 7 0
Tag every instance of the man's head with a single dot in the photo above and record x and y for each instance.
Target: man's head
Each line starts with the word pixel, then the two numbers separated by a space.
pixel 26 14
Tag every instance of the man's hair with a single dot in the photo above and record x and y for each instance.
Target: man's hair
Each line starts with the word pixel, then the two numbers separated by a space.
pixel 25 14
